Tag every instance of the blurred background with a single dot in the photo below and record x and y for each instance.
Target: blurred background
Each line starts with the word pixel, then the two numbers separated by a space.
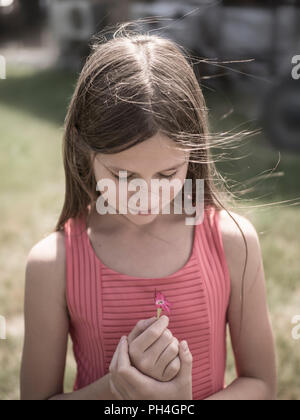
pixel 246 59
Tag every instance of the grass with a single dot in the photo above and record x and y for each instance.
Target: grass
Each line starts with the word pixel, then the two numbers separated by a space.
pixel 32 108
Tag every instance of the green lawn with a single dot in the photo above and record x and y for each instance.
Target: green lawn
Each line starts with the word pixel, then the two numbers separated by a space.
pixel 32 109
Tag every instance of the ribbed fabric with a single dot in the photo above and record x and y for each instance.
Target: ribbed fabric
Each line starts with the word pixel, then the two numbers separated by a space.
pixel 104 305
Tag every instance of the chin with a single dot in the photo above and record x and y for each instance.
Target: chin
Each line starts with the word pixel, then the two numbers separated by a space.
pixel 142 220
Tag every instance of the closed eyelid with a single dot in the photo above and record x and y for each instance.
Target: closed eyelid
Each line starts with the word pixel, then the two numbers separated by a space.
pixel 175 169
pixel 130 175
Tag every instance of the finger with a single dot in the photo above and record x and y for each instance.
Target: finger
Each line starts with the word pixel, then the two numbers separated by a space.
pixel 140 327
pixel 154 352
pixel 169 354
pixel 186 360
pixel 152 334
pixel 114 361
pixel 123 386
pixel 131 376
pixel 171 370
pixel 123 356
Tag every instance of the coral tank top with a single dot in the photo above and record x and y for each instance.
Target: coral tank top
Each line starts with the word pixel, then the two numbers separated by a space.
pixel 104 305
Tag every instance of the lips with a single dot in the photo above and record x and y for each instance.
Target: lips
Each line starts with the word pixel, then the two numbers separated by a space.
pixel 144 211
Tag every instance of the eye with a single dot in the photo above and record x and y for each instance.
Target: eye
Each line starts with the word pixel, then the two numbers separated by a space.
pixel 168 176
pixel 129 177
pixel 121 178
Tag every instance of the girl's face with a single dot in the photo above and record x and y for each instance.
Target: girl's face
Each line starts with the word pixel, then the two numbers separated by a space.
pixel 152 159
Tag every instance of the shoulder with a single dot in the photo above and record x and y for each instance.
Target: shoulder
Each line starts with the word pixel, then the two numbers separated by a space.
pixel 241 244
pixel 232 224
pixel 45 268
pixel 49 251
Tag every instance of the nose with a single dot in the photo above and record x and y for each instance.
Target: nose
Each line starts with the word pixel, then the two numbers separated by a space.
pixel 149 198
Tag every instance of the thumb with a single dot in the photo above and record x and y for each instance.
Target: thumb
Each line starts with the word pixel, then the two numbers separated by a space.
pixel 140 327
pixel 147 322
pixel 186 360
pixel 123 359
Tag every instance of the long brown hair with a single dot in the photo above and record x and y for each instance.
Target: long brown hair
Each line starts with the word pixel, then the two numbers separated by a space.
pixel 130 88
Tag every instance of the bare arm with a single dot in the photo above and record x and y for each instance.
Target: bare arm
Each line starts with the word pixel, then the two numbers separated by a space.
pixel 99 390
pixel 255 357
pixel 47 327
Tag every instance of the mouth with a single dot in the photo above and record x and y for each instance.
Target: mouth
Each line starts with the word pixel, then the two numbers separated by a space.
pixel 143 212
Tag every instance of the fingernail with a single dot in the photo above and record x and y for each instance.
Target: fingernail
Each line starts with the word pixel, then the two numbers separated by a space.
pixel 123 339
pixel 184 345
pixel 169 334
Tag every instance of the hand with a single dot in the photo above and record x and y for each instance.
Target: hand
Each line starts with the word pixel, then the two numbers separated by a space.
pixel 153 350
pixel 128 383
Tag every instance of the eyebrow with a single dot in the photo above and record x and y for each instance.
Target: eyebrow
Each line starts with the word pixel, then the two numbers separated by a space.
pixel 164 170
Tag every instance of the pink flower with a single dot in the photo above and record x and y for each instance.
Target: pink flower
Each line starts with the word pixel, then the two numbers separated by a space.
pixel 161 303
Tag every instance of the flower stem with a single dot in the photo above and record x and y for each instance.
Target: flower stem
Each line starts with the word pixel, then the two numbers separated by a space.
pixel 158 312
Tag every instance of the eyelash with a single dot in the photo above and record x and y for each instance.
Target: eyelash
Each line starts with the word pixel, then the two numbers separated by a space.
pixel 129 177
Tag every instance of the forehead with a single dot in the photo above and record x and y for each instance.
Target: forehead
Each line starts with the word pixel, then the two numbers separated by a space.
pixel 160 152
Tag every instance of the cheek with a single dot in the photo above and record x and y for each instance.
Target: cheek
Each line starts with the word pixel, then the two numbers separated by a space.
pixel 101 175
pixel 178 186
pixel 98 173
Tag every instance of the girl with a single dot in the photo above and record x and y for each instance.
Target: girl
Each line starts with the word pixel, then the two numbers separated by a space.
pixel 138 108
